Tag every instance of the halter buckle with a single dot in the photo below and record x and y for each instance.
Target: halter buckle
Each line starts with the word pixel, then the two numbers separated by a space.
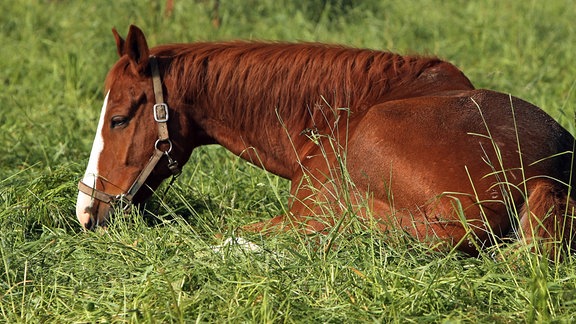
pixel 161 112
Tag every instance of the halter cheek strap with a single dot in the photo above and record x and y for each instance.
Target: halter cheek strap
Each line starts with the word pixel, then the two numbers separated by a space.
pixel 160 111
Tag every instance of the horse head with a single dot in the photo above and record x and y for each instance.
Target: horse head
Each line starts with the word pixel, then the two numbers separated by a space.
pixel 136 144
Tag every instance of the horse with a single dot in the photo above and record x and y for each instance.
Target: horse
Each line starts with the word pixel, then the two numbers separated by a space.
pixel 401 142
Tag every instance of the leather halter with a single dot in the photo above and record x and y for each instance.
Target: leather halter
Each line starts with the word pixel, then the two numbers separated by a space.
pixel 160 111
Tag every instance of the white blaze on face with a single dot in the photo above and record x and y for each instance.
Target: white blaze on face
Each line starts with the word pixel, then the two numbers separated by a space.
pixel 84 201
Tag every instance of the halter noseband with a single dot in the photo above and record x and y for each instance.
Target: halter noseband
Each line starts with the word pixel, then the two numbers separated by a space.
pixel 161 117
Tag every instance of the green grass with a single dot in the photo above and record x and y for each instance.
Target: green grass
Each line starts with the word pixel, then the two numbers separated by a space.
pixel 161 267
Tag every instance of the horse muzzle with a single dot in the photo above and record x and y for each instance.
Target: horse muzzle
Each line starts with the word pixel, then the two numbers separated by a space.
pixel 92 212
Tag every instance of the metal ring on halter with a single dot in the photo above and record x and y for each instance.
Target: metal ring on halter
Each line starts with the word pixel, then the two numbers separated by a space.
pixel 160 141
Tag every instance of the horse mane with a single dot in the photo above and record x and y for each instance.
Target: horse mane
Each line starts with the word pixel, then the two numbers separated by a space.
pixel 249 81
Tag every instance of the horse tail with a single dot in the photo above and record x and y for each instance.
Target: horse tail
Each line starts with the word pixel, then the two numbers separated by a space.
pixel 548 218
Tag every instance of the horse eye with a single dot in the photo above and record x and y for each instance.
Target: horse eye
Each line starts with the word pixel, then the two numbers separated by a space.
pixel 118 121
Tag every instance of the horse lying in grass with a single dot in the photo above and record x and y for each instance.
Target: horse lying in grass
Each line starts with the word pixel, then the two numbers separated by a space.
pixel 402 142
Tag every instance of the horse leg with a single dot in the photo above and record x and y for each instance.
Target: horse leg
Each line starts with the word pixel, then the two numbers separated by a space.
pixel 304 192
pixel 295 219
pixel 310 204
pixel 317 206
pixel 320 195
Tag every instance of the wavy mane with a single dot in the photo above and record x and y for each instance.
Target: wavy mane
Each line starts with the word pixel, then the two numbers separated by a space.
pixel 248 81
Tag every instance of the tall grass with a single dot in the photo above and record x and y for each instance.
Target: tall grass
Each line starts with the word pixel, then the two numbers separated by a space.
pixel 161 266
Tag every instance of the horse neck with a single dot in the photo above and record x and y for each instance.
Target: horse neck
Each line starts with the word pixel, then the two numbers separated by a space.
pixel 261 101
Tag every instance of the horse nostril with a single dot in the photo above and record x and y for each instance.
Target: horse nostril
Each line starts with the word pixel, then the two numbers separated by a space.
pixel 89 224
pixel 91 221
pixel 94 215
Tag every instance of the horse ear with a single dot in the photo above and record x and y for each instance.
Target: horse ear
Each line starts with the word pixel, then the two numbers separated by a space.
pixel 119 42
pixel 136 48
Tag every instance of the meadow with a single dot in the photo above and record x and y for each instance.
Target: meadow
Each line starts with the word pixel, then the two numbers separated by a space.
pixel 162 266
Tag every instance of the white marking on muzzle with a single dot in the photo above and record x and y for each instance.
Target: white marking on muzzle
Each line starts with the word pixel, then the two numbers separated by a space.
pixel 84 201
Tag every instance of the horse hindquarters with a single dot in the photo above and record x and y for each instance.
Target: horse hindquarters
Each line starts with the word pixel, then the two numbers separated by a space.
pixel 474 149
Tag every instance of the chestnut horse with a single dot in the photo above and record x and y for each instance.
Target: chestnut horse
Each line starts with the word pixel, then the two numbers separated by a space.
pixel 402 142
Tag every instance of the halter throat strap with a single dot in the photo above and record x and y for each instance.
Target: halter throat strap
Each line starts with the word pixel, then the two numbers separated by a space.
pixel 160 111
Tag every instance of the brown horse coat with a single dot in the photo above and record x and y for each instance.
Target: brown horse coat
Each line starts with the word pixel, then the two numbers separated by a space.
pixel 404 142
